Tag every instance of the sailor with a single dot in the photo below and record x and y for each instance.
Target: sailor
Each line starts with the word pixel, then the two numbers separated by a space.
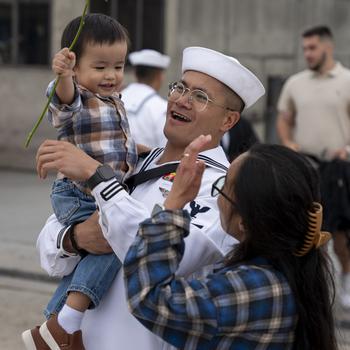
pixel 206 100
pixel 145 108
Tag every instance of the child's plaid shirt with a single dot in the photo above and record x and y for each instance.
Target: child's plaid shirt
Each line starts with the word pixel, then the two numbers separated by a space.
pixel 248 306
pixel 99 126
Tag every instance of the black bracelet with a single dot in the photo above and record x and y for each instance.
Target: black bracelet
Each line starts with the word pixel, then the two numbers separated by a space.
pixel 73 242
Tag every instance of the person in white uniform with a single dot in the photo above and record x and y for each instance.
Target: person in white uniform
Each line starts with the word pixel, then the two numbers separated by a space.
pixel 146 109
pixel 208 99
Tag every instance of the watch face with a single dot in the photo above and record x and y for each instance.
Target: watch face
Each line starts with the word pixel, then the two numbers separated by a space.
pixel 103 173
pixel 106 172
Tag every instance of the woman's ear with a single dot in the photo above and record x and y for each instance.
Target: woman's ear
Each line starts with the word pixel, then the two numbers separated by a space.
pixel 231 118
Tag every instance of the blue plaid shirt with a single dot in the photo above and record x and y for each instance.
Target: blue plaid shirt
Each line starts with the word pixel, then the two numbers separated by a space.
pixel 248 306
pixel 99 126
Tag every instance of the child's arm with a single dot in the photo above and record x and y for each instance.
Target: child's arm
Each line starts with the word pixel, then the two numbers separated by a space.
pixel 62 65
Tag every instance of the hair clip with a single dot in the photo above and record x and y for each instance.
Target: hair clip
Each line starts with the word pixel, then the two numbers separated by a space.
pixel 314 237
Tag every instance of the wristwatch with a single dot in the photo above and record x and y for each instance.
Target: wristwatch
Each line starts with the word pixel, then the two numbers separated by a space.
pixel 102 174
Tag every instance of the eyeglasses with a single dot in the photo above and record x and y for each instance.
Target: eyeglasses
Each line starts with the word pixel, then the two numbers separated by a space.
pixel 198 98
pixel 217 187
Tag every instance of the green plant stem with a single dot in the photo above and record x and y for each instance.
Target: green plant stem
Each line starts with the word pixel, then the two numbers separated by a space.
pixel 32 132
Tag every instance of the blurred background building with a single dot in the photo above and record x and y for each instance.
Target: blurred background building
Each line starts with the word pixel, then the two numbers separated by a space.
pixel 262 34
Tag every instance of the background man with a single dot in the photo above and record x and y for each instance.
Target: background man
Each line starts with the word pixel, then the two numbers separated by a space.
pixel 145 108
pixel 208 99
pixel 314 118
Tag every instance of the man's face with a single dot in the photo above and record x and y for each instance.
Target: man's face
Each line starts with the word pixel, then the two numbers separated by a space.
pixel 184 123
pixel 315 52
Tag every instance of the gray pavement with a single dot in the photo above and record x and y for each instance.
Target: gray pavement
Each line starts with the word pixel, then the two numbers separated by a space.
pixel 24 207
pixel 24 287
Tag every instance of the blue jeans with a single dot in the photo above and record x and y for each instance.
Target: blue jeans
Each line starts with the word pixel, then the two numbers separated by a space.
pixel 94 274
pixel 69 204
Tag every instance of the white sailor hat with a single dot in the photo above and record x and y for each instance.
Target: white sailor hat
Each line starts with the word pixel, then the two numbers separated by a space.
pixel 227 70
pixel 150 58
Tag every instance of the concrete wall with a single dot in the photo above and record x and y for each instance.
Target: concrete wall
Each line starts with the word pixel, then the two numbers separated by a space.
pixel 262 34
pixel 21 100
pixel 22 97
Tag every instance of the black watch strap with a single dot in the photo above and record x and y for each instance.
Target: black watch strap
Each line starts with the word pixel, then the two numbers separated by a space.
pixel 103 173
pixel 73 242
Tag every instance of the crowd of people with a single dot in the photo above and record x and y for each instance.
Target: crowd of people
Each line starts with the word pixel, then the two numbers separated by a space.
pixel 177 248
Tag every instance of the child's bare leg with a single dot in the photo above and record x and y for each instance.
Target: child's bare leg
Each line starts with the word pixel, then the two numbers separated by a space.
pixel 78 301
pixel 72 313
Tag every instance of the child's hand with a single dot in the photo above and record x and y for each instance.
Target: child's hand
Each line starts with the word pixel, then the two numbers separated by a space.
pixel 63 63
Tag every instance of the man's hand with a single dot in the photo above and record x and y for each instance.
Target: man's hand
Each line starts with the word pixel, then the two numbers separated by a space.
pixel 66 158
pixel 88 236
pixel 188 175
pixel 341 153
pixel 63 63
pixel 292 145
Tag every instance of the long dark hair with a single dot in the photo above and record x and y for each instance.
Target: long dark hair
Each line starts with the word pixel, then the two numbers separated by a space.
pixel 275 188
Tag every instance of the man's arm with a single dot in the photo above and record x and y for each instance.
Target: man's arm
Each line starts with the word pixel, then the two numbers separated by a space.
pixel 57 254
pixel 64 157
pixel 285 125
pixel 120 214
pixel 285 122
pixel 53 258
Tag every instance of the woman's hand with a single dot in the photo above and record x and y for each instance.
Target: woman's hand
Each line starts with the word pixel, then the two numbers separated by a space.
pixel 188 175
pixel 66 158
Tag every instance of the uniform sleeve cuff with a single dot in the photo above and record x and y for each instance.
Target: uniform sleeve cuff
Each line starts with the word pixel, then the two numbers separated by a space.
pixel 109 189
pixel 60 238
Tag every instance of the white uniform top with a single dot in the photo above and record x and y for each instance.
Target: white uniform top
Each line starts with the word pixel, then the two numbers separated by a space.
pixel 110 326
pixel 146 112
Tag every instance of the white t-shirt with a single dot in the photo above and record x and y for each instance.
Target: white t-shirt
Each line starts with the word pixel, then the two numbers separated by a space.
pixel 146 112
pixel 320 105
pixel 110 326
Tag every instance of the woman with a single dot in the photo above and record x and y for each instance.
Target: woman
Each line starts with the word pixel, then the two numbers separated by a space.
pixel 273 290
